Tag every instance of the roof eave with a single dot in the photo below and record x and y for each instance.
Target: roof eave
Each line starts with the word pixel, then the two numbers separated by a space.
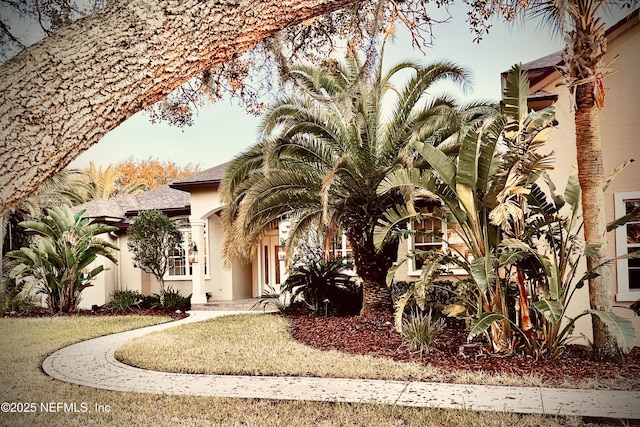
pixel 188 186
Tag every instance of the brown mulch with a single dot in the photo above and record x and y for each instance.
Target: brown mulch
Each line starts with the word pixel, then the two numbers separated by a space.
pixel 43 312
pixel 376 335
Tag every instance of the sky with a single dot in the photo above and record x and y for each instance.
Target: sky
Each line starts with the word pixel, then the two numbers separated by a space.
pixel 223 130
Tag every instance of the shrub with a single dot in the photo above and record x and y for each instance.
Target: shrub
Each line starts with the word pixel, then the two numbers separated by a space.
pixel 150 301
pixel 280 300
pixel 173 300
pixel 152 238
pixel 123 301
pixel 420 330
pixel 57 262
pixel 322 280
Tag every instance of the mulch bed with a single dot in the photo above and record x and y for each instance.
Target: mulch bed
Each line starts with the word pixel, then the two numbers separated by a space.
pixel 376 335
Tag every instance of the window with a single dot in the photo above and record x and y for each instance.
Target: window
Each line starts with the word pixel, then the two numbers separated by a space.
pixel 431 233
pixel 428 237
pixel 180 267
pixel 340 247
pixel 628 241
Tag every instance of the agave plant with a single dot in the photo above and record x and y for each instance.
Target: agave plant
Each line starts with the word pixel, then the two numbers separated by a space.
pixel 57 262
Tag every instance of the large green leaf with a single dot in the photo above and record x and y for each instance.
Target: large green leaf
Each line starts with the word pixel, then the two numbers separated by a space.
pixel 482 323
pixel 392 271
pixel 551 270
pixel 467 171
pixel 487 160
pixel 406 178
pixel 392 218
pixel 631 216
pixel 620 327
pixel 483 273
pixel 551 310
pixel 515 94
pixel 400 304
pixel 440 163
pixel 572 190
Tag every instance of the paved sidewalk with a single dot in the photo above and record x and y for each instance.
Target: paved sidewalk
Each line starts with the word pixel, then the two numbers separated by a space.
pixel 91 363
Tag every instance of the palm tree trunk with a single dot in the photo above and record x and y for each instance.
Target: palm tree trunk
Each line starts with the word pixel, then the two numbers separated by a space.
pixel 591 177
pixel 372 267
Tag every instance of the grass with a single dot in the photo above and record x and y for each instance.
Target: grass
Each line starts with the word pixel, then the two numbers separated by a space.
pixel 261 345
pixel 26 342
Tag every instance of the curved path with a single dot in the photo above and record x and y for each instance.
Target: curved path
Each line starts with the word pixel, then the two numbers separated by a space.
pixel 91 363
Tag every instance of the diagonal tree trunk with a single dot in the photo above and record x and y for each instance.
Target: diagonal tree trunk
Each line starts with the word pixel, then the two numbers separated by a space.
pixel 63 94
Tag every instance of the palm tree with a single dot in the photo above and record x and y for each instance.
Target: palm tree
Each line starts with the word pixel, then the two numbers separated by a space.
pixel 324 152
pixel 99 183
pixel 584 32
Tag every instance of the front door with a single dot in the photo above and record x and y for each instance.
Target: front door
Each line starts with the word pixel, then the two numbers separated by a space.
pixel 270 264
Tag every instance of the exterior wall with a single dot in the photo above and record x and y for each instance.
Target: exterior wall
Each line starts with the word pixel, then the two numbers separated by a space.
pixel 104 284
pixel 130 277
pixel 242 286
pixel 219 284
pixel 222 282
pixel 184 286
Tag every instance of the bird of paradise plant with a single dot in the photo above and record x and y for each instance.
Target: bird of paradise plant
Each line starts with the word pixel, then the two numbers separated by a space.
pixel 489 191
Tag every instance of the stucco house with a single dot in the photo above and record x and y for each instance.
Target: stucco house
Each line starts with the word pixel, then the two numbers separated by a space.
pixel 197 268
pixel 195 202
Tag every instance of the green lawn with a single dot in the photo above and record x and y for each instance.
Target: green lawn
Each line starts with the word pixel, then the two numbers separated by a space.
pixel 260 344
pixel 26 342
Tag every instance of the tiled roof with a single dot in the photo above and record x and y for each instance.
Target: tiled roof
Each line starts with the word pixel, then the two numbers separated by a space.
pixel 162 198
pixel 547 61
pixel 211 176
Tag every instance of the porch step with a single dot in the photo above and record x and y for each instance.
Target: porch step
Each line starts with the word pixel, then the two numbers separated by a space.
pixel 245 304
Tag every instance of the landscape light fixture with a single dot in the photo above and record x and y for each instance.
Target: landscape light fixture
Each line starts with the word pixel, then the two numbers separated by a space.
pixel 193 253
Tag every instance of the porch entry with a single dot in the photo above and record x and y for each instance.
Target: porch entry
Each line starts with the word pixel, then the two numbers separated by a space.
pixel 271 274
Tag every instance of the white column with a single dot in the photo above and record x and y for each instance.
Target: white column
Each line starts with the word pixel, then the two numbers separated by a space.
pixel 198 293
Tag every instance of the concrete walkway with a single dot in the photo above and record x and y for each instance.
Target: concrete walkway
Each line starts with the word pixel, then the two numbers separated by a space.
pixel 91 363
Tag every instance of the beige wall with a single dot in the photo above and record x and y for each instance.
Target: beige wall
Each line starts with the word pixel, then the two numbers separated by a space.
pixel 620 142
pixel 223 283
pixel 104 284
